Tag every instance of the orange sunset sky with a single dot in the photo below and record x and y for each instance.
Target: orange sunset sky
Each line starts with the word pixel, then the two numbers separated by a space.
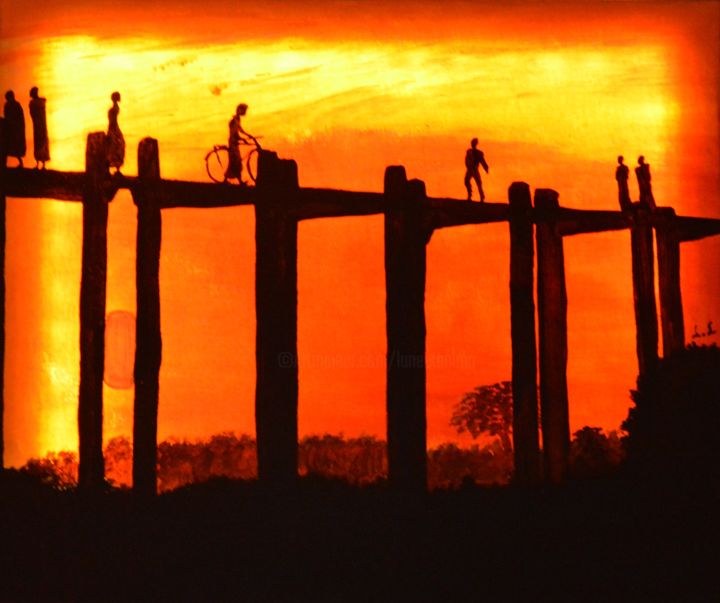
pixel 553 90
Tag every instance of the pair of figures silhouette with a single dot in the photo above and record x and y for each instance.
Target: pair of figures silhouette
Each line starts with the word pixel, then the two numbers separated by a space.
pixel 14 128
pixel 642 172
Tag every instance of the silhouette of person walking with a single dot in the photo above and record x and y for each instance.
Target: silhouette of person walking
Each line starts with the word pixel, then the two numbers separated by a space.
pixel 41 144
pixel 15 145
pixel 642 171
pixel 115 138
pixel 622 173
pixel 235 137
pixel 473 159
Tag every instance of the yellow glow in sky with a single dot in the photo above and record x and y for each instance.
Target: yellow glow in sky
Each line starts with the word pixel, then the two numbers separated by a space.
pixel 582 100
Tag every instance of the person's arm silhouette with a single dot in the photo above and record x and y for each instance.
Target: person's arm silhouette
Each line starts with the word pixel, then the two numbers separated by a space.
pixel 484 163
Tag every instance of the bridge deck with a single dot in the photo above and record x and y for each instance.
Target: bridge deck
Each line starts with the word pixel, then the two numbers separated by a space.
pixel 313 203
pixel 44 184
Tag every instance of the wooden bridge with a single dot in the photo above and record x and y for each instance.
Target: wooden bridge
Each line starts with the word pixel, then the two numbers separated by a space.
pixel 410 219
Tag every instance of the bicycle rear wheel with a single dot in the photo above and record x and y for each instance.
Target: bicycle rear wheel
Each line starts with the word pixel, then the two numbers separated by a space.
pixel 216 163
pixel 251 164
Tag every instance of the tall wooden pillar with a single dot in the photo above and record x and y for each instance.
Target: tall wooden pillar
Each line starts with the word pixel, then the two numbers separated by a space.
pixel 148 350
pixel 92 315
pixel 552 316
pixel 671 309
pixel 3 209
pixel 276 393
pixel 643 271
pixel 406 236
pixel 522 330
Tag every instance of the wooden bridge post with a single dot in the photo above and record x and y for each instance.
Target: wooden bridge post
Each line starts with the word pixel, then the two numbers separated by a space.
pixel 276 393
pixel 643 272
pixel 92 315
pixel 406 237
pixel 671 309
pixel 3 208
pixel 148 350
pixel 552 316
pixel 522 330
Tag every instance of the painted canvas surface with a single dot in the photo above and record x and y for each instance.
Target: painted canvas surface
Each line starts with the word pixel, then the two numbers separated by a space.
pixel 346 283
pixel 554 92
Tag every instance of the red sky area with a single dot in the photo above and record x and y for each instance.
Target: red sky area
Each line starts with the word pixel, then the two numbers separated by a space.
pixel 554 90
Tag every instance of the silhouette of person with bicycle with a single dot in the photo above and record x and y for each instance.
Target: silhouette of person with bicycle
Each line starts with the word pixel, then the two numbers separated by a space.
pixel 235 139
pixel 474 158
pixel 226 162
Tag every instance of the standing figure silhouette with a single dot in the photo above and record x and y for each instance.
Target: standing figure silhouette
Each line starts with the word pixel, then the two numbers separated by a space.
pixel 14 128
pixel 642 171
pixel 115 138
pixel 473 159
pixel 235 132
pixel 41 144
pixel 622 173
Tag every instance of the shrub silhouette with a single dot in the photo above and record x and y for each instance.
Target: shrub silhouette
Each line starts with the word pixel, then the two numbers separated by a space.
pixel 673 428
pixel 358 461
pixel 450 466
pixel 594 454
pixel 56 469
pixel 488 411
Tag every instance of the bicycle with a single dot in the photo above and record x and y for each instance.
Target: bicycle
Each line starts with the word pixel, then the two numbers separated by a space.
pixel 218 159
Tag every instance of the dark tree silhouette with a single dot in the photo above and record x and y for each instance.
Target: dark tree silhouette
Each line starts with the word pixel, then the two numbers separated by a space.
pixel 672 430
pixel 486 410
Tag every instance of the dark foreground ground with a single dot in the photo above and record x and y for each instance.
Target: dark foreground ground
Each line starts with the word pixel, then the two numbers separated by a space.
pixel 608 540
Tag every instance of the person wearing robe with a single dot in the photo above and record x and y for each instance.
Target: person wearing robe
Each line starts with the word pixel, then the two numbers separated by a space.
pixel 622 173
pixel 642 171
pixel 41 144
pixel 235 132
pixel 115 138
pixel 14 128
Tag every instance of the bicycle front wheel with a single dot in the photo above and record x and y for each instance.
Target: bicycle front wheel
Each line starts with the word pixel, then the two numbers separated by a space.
pixel 216 163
